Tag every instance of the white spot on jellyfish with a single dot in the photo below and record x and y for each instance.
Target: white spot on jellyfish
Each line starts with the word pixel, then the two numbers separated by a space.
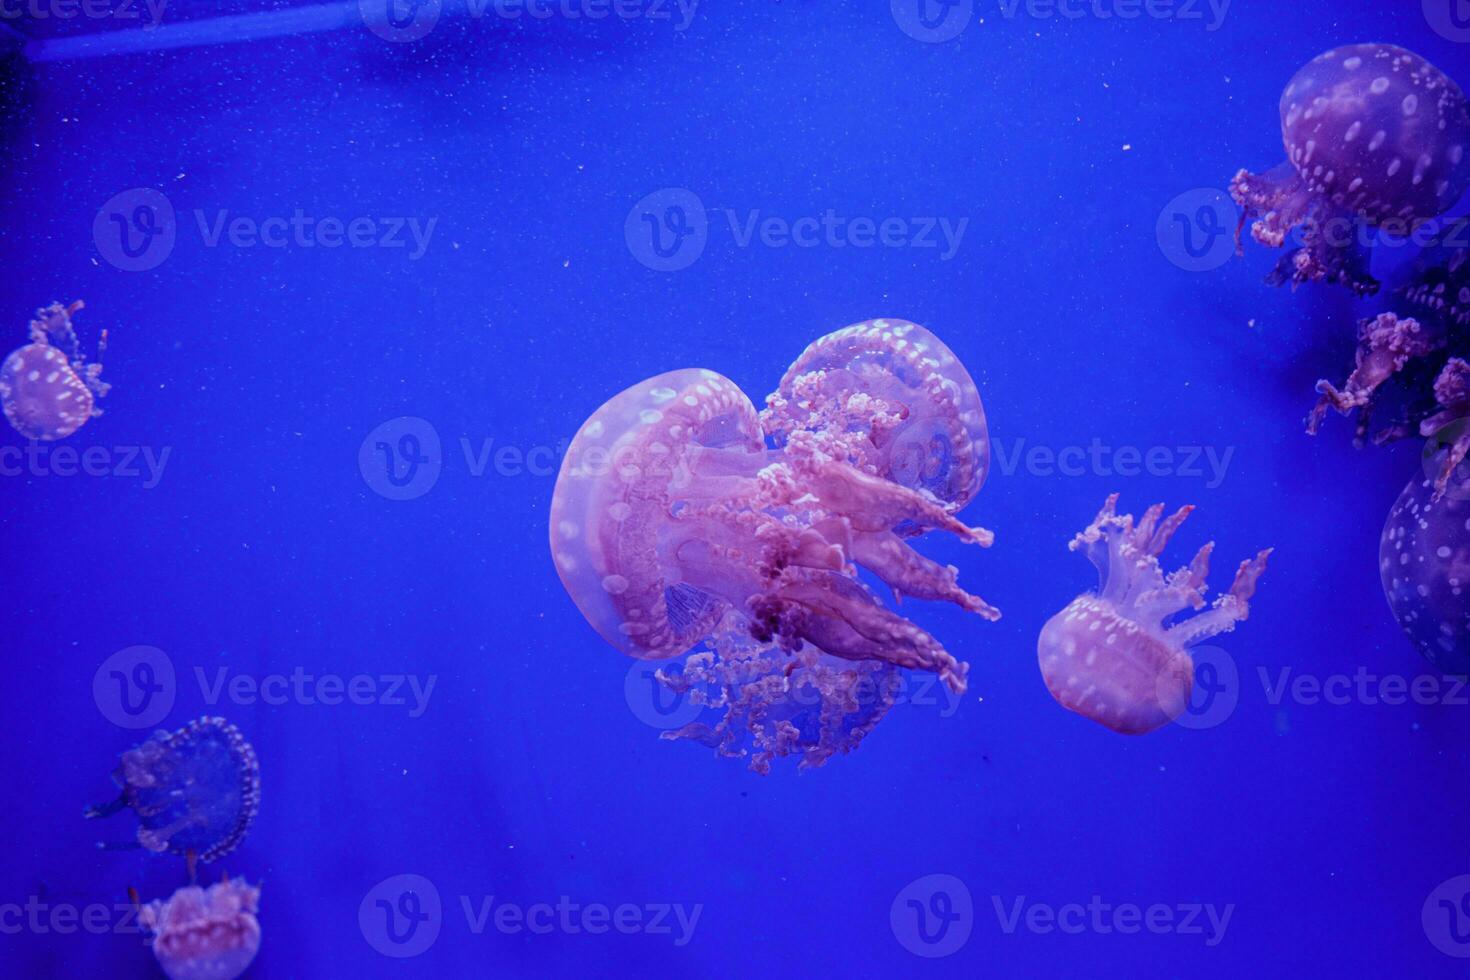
pixel 567 529
pixel 663 394
pixel 650 416
pixel 615 585
pixel 1395 166
pixel 1379 86
pixel 1378 140
pixel 1353 63
pixel 619 511
pixel 1411 104
pixel 1353 131
pixel 594 429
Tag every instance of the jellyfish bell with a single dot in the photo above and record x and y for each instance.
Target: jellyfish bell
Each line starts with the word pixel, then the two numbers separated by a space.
pixel 1120 656
pixel 47 389
pixel 205 933
pixel 1424 560
pixel 195 791
pixel 1374 134
pixel 910 409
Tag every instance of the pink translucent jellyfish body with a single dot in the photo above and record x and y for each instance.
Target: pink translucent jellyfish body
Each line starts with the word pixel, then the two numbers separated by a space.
pixel 1424 354
pixel 1373 133
pixel 1109 655
pixel 205 933
pixel 675 519
pixel 47 389
pixel 1424 558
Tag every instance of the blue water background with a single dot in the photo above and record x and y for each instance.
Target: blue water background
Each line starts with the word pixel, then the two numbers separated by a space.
pixel 262 548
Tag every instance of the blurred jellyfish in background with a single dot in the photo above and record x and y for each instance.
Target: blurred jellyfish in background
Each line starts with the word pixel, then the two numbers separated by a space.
pixel 1119 656
pixel 1424 558
pixel 681 514
pixel 1373 134
pixel 47 388
pixel 195 791
pixel 205 933
pixel 1424 353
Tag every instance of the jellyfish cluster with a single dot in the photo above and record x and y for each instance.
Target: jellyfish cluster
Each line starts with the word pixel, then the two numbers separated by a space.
pixel 195 792
pixel 1120 656
pixel 1377 137
pixel 682 515
pixel 47 388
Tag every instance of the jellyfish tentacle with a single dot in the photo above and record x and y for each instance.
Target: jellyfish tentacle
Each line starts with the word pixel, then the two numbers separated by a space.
pixel 1386 346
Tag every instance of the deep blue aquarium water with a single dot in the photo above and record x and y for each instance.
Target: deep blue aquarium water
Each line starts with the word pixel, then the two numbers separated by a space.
pixel 365 271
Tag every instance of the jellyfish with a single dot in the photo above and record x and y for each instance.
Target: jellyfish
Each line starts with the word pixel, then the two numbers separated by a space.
pixel 1424 558
pixel 205 933
pixel 1424 353
pixel 195 790
pixel 681 514
pixel 1120 656
pixel 1373 134
pixel 47 388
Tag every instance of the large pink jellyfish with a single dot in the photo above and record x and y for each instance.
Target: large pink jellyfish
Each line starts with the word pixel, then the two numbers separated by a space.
pixel 1426 352
pixel 1373 133
pixel 205 933
pixel 1109 655
pixel 674 521
pixel 47 389
pixel 1424 559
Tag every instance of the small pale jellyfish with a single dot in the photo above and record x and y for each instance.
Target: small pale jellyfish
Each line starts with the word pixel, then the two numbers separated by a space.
pixel 47 388
pixel 1112 656
pixel 205 933
pixel 1424 558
